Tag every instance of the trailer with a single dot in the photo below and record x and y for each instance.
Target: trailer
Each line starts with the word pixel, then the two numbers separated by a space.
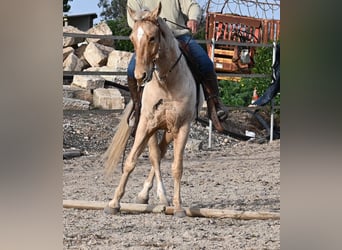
pixel 232 38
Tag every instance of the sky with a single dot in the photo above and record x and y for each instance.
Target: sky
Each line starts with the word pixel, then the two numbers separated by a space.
pixel 90 6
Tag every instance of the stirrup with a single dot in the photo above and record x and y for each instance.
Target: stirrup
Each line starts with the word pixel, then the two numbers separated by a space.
pixel 221 115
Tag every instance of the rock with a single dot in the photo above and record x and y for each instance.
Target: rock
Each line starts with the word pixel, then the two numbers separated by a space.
pixel 67 51
pixel 69 41
pixel 72 63
pixel 113 78
pixel 75 104
pixel 118 60
pixel 194 145
pixel 88 82
pixel 101 29
pixel 108 99
pixel 78 93
pixel 97 54
pixel 79 52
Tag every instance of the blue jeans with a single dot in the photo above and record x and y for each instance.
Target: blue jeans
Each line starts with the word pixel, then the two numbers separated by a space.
pixel 199 54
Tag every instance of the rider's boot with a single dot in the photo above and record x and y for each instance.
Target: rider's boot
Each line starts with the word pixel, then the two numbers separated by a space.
pixel 136 98
pixel 216 111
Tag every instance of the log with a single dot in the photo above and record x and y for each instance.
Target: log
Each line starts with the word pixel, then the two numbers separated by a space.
pixel 226 213
pixel 125 207
pixel 71 153
pixel 190 211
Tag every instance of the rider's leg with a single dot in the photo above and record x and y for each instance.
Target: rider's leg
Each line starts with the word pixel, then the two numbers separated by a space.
pixel 135 93
pixel 209 78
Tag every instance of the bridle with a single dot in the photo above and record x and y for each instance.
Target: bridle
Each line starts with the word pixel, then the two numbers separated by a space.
pixel 155 68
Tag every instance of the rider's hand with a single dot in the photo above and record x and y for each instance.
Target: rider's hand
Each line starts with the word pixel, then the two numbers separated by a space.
pixel 192 25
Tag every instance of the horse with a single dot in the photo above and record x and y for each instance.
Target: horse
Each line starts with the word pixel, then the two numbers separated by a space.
pixel 169 104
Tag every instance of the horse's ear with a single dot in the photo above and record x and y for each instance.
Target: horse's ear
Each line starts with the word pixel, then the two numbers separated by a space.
pixel 155 13
pixel 131 12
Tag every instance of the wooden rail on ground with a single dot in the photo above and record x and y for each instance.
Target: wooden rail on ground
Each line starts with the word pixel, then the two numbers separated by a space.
pixel 190 211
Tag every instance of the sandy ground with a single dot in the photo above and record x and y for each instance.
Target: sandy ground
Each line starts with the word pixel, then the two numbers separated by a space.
pixel 231 175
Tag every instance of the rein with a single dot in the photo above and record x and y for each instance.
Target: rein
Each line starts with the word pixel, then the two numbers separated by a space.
pixel 181 54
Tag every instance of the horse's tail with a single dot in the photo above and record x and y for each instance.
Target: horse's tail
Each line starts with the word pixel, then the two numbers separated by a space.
pixel 115 150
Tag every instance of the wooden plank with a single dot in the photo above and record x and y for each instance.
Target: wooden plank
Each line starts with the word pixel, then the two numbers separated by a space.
pixel 125 207
pixel 227 18
pixel 229 78
pixel 225 52
pixel 226 213
pixel 190 211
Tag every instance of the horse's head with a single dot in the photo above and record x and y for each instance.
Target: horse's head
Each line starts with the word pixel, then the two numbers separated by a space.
pixel 145 37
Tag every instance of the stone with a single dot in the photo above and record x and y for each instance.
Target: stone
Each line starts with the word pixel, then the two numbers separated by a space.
pixel 112 78
pixel 67 51
pixel 77 93
pixel 108 99
pixel 72 63
pixel 70 41
pixel 88 81
pixel 97 54
pixel 101 29
pixel 118 60
pixel 194 145
pixel 75 104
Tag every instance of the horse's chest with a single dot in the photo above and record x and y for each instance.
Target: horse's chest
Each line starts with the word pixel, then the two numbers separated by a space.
pixel 167 114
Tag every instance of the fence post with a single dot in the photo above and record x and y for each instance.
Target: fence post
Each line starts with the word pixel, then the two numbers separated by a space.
pixel 210 121
pixel 272 101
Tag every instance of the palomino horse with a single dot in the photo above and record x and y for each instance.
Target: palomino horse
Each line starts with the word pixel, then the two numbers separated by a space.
pixel 168 104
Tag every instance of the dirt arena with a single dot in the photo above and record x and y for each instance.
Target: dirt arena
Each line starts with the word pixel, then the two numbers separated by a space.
pixel 233 174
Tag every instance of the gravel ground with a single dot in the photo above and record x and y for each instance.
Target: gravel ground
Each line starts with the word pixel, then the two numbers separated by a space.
pixel 232 174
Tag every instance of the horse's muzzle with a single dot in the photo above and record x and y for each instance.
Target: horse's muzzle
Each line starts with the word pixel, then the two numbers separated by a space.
pixel 146 77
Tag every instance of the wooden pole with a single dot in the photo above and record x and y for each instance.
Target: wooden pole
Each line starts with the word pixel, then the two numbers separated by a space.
pixel 191 212
pixel 226 213
pixel 126 207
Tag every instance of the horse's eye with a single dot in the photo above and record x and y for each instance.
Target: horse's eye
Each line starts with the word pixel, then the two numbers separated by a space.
pixel 152 39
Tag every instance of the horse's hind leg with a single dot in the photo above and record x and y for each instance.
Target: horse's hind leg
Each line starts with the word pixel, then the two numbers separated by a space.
pixel 143 196
pixel 177 168
pixel 157 152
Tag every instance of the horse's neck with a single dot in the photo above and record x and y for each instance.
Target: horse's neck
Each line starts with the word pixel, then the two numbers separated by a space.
pixel 168 57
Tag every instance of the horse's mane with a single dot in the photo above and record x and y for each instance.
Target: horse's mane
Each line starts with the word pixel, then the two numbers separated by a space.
pixel 166 32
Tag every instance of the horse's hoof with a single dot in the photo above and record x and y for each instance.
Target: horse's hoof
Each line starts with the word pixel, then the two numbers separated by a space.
pixel 141 201
pixel 111 210
pixel 164 203
pixel 179 213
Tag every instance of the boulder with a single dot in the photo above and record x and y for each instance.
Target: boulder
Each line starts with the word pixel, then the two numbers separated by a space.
pixel 88 82
pixel 108 99
pixel 70 41
pixel 97 54
pixel 72 63
pixel 112 78
pixel 67 51
pixel 101 29
pixel 118 60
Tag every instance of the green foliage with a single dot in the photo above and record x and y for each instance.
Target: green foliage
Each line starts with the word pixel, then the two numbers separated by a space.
pixel 112 9
pixel 66 6
pixel 240 93
pixel 120 27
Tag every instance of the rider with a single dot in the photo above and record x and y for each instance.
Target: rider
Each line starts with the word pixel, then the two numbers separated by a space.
pixel 181 13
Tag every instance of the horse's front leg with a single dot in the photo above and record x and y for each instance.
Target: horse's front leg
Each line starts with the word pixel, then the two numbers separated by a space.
pixel 177 168
pixel 139 144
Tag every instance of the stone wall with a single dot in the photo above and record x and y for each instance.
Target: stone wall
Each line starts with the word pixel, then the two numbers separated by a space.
pixel 93 55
